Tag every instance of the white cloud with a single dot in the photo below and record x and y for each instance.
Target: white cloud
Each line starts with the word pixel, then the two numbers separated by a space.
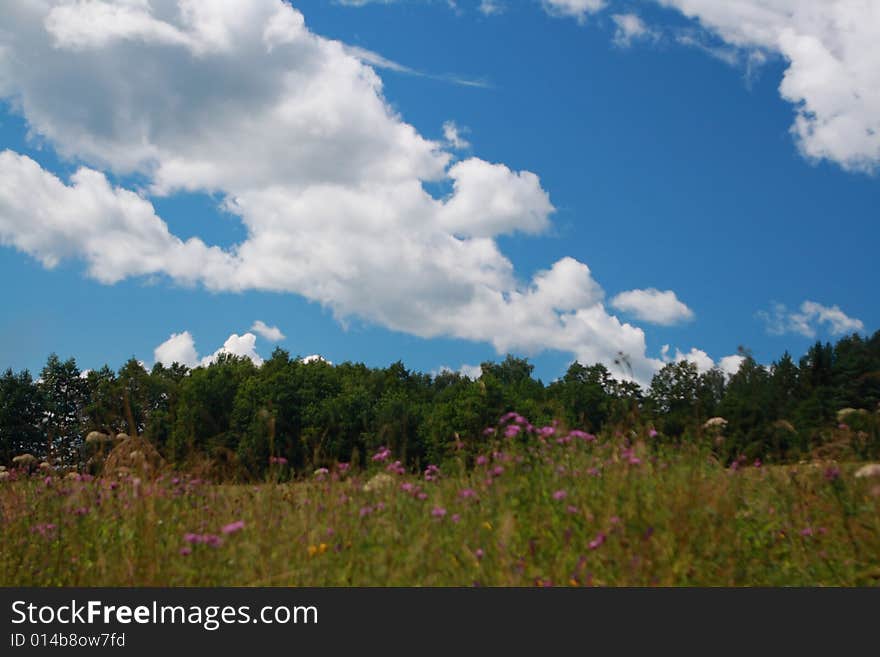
pixel 630 27
pixel 179 348
pixel 237 345
pixel 727 364
pixel 452 135
pixel 653 306
pixel 579 9
pixel 271 333
pixel 730 364
pixel 315 358
pixel 779 320
pixel 239 98
pixel 833 73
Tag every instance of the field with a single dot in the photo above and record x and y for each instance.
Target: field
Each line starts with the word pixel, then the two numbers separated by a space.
pixel 534 507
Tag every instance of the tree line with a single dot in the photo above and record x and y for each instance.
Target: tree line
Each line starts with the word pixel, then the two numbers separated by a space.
pixel 238 417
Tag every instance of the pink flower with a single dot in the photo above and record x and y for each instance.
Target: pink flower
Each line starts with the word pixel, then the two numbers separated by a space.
pixel 559 495
pixel 468 493
pixel 396 467
pixel 365 511
pixel 571 508
pixel 598 541
pixel 279 460
pixel 382 454
pixel 185 551
pixel 653 433
pixel 512 430
pixel 497 471
pixel 438 512
pixel 233 527
pixel 482 459
pixel 455 517
pixel 407 487
pixel 479 554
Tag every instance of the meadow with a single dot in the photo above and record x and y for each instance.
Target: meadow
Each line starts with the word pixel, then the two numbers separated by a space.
pixel 532 506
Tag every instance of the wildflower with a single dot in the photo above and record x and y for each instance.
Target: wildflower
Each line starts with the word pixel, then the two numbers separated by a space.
pixel 593 472
pixel 422 495
pixel 597 542
pixel 321 473
pixel 512 431
pixel 479 554
pixel 807 531
pixel 832 473
pixel 212 540
pixel 468 493
pixel 189 537
pixel 843 426
pixel 317 549
pixel 757 463
pixel 365 511
pixel 482 459
pixel 407 487
pixel 396 468
pixel 233 527
pixel 438 512
pixel 497 471
pixel 185 551
pixel 546 432
pixel 455 517
pixel 380 506
pixel 653 433
pixel 432 472
pixel 277 460
pixel 559 495
pixel 571 508
pixel 382 454
pixel 488 431
pixel 343 467
pixel 583 435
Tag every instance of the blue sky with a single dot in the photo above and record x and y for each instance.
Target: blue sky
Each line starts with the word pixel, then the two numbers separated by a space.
pixel 663 161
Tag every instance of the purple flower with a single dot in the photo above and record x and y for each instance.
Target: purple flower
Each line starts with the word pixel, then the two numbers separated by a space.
pixel 807 531
pixel 559 495
pixel 488 431
pixel 512 430
pixel 497 471
pixel 365 511
pixel 598 541
pixel 233 527
pixel 479 554
pixel 653 433
pixel 189 537
pixel 185 551
pixel 422 495
pixel 468 493
pixel 407 487
pixel 382 454
pixel 546 432
pixel 455 517
pixel 277 460
pixel 438 512
pixel 832 473
pixel 757 463
pixel 571 508
pixel 396 467
pixel 482 459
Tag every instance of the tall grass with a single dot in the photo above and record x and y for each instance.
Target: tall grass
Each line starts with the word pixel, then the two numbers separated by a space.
pixel 541 507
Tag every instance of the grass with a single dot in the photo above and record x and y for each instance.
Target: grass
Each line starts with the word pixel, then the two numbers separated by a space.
pixel 565 510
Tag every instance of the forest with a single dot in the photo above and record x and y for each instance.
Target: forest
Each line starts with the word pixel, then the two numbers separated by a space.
pixel 232 420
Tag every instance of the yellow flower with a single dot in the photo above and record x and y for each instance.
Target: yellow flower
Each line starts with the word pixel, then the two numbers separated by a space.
pixel 487 525
pixel 317 549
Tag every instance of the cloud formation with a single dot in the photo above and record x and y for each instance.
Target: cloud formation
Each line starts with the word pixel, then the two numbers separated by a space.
pixel 241 99
pixel 833 73
pixel 779 320
pixel 271 333
pixel 653 306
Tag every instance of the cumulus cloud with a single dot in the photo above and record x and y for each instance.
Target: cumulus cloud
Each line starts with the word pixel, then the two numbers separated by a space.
pixel 236 345
pixel 490 7
pixel 833 73
pixel 293 132
pixel 629 28
pixel 315 358
pixel 473 372
pixel 271 333
pixel 779 320
pixel 179 348
pixel 653 306
pixel 727 364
